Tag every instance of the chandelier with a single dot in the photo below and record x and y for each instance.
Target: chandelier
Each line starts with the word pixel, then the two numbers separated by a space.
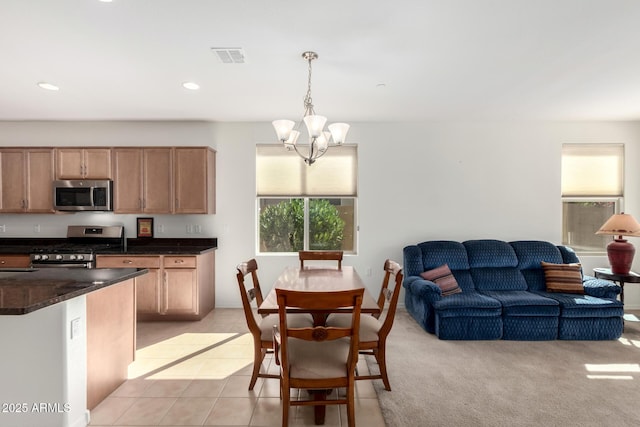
pixel 288 132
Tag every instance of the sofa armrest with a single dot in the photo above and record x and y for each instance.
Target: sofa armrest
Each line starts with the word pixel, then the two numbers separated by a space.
pixel 423 288
pixel 600 288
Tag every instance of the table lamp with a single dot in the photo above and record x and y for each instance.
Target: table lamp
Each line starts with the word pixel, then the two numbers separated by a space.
pixel 620 251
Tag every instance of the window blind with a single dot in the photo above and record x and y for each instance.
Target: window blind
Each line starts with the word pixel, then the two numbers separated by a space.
pixel 280 172
pixel 595 170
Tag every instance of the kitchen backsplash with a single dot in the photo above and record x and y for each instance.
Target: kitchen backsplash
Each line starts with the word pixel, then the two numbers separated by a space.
pixel 167 226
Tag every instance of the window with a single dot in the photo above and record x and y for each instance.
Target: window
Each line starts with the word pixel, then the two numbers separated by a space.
pixel 592 191
pixel 304 207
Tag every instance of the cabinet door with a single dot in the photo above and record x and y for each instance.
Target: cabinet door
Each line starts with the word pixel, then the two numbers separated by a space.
pixel 158 180
pixel 39 179
pixel 69 163
pixel 80 163
pixel 97 163
pixel 194 184
pixel 13 178
pixel 181 293
pixel 127 173
pixel 14 261
pixel 148 292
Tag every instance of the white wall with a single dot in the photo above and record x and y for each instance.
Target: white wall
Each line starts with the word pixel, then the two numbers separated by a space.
pixel 418 181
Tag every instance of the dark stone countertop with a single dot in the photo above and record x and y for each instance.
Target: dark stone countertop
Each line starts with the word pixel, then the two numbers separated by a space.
pixel 134 246
pixel 25 290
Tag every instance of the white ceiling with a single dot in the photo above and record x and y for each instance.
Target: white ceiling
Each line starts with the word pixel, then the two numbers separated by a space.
pixel 379 60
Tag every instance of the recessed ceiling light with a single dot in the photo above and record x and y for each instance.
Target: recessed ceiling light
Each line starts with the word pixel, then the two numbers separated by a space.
pixel 48 86
pixel 191 85
pixel 106 1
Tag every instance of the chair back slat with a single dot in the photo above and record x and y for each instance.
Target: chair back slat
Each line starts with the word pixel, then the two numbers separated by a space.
pixel 321 256
pixel 249 295
pixel 393 273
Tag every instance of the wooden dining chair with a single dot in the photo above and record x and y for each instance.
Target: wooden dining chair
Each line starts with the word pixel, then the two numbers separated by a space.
pixel 317 358
pixel 373 331
pixel 322 256
pixel 261 327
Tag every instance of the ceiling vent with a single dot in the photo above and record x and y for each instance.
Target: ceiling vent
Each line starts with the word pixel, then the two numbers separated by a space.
pixel 230 55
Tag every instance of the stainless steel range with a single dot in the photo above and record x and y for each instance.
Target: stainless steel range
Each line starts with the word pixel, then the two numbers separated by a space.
pixel 79 251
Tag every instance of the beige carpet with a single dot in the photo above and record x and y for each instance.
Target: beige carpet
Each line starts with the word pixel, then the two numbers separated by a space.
pixel 510 383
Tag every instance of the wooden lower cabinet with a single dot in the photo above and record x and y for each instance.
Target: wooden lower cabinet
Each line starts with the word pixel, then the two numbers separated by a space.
pixel 176 287
pixel 111 339
pixel 14 261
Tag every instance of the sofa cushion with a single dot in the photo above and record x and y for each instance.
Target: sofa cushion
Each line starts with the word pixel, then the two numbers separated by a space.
pixel 468 304
pixel 498 279
pixel 563 277
pixel 586 306
pixel 531 252
pixel 524 303
pixel 490 253
pixel 444 279
pixel 438 252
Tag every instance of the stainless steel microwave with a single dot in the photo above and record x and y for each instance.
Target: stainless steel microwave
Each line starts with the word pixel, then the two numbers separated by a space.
pixel 83 195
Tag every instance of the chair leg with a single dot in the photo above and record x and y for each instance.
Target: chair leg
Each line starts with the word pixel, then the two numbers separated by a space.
pixel 258 357
pixel 285 393
pixel 380 354
pixel 351 409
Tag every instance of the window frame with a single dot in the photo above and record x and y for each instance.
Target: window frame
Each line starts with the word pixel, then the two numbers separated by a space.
pixel 618 203
pixel 356 227
pixel 344 157
pixel 615 196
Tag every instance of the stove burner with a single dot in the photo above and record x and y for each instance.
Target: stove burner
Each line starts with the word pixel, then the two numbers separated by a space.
pixel 79 251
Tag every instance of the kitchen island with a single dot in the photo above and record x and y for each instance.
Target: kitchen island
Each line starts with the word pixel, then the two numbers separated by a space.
pixel 68 336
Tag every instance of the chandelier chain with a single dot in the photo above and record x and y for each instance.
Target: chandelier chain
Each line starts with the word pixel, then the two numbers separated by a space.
pixel 308 101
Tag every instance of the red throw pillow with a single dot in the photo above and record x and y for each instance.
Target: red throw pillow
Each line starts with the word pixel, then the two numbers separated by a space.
pixel 444 279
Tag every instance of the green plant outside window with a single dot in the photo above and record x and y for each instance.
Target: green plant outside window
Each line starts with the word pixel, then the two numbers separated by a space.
pixel 282 224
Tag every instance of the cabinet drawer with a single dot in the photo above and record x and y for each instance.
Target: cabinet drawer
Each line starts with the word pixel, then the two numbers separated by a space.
pixel 105 261
pixel 179 262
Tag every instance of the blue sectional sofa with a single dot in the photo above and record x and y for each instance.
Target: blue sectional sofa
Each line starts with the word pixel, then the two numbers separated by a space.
pixel 504 294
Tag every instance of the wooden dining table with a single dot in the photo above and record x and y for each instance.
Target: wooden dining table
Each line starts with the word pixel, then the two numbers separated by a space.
pixel 318 279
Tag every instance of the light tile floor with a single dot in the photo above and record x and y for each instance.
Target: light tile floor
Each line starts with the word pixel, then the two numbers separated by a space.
pixel 197 373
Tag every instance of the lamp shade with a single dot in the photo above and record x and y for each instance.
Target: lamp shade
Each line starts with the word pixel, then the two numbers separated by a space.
pixel 315 124
pixel 293 137
pixel 621 224
pixel 283 128
pixel 339 132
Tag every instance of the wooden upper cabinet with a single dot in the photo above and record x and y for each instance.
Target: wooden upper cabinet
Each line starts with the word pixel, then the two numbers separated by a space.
pixel 143 180
pixel 195 183
pixel 83 163
pixel 12 163
pixel 158 180
pixel 127 180
pixel 26 178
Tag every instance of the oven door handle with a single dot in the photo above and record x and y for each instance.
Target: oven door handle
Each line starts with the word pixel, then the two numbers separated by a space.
pixel 62 265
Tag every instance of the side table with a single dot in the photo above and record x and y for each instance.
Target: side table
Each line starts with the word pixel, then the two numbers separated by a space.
pixel 605 273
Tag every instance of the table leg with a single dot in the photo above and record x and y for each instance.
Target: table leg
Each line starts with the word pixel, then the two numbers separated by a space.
pixel 319 319
pixel 319 411
pixel 622 292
